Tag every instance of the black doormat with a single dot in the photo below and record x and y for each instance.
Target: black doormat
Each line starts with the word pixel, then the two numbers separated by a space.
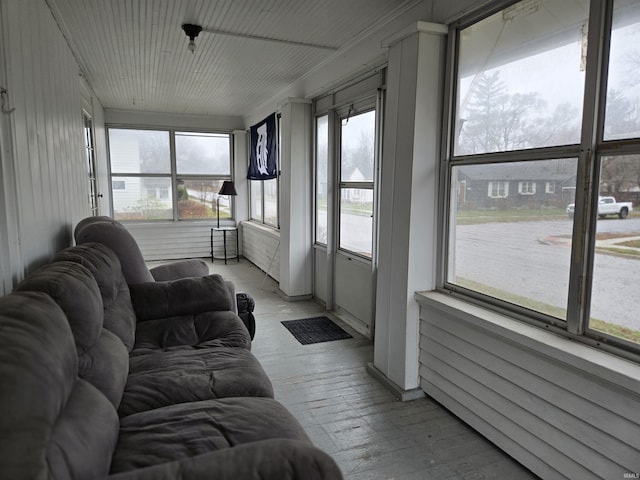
pixel 315 330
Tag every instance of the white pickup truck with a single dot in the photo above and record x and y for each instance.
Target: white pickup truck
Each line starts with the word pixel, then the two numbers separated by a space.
pixel 607 206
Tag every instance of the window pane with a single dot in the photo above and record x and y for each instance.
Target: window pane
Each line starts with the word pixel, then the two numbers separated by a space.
pixel 356 220
pixel 510 244
pixel 255 187
pixel 322 159
pixel 358 147
pixel 202 154
pixel 520 78
pixel 139 151
pixel 617 253
pixel 622 119
pixel 197 199
pixel 142 198
pixel 271 201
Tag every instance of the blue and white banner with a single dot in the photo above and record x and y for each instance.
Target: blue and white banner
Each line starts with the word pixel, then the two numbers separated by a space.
pixel 263 158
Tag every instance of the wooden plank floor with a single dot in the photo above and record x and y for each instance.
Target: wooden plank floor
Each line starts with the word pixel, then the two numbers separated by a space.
pixel 349 414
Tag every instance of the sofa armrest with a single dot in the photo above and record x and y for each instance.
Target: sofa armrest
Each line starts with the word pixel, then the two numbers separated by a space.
pixel 180 269
pixel 186 296
pixel 264 460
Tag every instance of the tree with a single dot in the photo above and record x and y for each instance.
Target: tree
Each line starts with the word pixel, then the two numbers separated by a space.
pixel 360 157
pixel 495 120
pixel 621 117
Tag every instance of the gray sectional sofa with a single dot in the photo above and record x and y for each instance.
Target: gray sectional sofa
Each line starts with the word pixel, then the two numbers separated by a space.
pixel 153 380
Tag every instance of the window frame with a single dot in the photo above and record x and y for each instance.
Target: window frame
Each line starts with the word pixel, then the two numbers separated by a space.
pixel 175 178
pixel 527 187
pixel 344 114
pixel 589 151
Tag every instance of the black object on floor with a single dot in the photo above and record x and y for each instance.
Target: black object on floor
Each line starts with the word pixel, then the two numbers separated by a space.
pixel 315 330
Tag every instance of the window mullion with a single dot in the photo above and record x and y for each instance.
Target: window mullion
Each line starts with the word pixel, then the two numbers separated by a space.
pixel 174 179
pixel 587 185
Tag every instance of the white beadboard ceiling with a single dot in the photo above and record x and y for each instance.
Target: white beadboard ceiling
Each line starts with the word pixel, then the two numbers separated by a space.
pixel 134 52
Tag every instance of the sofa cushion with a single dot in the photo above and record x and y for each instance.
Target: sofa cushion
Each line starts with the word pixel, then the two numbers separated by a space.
pixel 189 429
pixel 265 460
pixel 103 359
pixel 75 290
pixel 104 265
pixel 53 424
pixel 208 329
pixel 180 297
pixel 167 378
pixel 114 235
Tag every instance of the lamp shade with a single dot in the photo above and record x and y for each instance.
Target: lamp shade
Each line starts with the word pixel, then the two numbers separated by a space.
pixel 228 188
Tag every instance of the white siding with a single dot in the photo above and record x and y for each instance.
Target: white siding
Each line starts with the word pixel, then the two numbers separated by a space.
pixel 47 164
pixel 562 409
pixel 176 240
pixel 261 246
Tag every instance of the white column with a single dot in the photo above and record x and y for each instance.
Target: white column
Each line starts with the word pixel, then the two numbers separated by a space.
pixel 408 192
pixel 295 200
pixel 240 166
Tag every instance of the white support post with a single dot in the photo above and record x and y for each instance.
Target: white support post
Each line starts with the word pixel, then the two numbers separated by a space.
pixel 408 189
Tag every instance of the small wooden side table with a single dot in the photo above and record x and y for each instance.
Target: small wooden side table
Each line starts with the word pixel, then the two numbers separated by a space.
pixel 224 231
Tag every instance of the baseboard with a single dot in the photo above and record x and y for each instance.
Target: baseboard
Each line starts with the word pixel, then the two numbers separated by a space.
pixel 397 391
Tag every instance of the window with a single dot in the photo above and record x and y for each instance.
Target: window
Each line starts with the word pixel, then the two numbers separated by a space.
pixel 322 178
pixel 520 78
pixel 357 150
pixel 498 189
pixel 527 188
pixel 203 162
pixel 145 179
pixel 91 163
pixel 263 206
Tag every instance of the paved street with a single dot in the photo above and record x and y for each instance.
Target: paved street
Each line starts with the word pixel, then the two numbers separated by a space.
pixel 514 257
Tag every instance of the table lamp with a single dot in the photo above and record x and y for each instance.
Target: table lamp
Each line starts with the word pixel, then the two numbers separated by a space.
pixel 227 189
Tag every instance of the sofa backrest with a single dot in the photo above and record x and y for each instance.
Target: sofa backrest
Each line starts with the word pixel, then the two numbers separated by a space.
pixel 103 263
pixel 103 360
pixel 52 423
pixel 112 233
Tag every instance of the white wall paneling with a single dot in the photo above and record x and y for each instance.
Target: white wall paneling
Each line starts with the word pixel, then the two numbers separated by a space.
pixel 261 246
pixel 175 240
pixel 47 159
pixel 320 272
pixel 562 409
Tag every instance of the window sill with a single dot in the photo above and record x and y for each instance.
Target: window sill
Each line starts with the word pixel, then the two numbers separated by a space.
pixel 272 231
pixel 593 361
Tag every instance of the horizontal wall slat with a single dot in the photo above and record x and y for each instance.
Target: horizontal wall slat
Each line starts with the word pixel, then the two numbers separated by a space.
pixel 561 418
pixel 505 362
pixel 540 419
pixel 261 246
pixel 178 240
pixel 490 424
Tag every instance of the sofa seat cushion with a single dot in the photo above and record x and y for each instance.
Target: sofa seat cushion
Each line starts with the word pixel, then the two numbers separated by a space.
pixel 167 378
pixel 181 431
pixel 208 329
pixel 265 460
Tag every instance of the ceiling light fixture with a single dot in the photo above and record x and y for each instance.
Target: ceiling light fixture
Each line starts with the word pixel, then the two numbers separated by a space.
pixel 192 32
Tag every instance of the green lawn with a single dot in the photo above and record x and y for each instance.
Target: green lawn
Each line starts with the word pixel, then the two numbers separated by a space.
pixel 465 217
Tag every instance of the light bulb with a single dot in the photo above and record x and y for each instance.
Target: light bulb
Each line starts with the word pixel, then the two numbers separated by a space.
pixel 192 46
